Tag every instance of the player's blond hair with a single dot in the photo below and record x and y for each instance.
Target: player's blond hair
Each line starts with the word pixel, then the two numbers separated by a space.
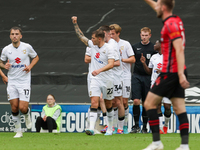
pixel 145 29
pixel 115 27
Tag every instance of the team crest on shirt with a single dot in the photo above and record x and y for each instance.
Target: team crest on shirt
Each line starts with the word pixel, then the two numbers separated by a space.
pixel 24 51
pixel 104 51
pixel 122 48
pixel 148 56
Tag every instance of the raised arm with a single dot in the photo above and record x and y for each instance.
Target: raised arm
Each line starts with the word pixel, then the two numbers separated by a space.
pixel 78 31
pixel 152 4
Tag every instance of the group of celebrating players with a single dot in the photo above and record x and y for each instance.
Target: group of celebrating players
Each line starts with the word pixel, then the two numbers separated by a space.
pixel 109 77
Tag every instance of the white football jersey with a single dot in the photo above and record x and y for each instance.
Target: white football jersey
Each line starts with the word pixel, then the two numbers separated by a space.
pixel 155 63
pixel 99 59
pixel 88 53
pixel 18 58
pixel 117 71
pixel 127 51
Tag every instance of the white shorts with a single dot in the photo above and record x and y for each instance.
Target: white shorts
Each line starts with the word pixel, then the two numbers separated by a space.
pixel 105 87
pixel 22 92
pixel 166 100
pixel 88 85
pixel 117 88
pixel 126 88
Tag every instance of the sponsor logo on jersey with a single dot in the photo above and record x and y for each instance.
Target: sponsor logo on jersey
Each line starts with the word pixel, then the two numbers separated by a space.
pixel 138 49
pixel 97 55
pixel 159 65
pixel 17 60
pixel 99 61
pixel 17 66
pixel 175 34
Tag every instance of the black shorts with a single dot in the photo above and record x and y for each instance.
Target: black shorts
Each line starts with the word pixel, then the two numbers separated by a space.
pixel 167 85
pixel 140 85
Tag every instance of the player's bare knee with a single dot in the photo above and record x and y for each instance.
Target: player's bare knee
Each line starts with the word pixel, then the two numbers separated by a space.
pixel 94 105
pixel 125 104
pixel 136 102
pixel 15 108
pixel 119 104
pixel 108 105
pixel 175 108
pixel 23 109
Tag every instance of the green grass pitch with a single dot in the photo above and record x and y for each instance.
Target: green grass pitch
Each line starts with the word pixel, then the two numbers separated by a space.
pixel 81 141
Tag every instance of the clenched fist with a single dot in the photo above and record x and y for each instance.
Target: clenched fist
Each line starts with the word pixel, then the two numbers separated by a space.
pixel 74 19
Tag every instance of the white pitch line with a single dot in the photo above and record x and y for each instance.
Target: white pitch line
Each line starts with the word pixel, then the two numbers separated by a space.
pixel 88 30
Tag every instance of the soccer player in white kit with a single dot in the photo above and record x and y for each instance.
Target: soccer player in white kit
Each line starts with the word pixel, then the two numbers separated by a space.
pixel 102 61
pixel 154 68
pixel 127 58
pixel 18 54
pixel 119 114
pixel 97 129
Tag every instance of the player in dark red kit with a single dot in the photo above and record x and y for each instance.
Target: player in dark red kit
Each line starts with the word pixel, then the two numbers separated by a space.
pixel 172 80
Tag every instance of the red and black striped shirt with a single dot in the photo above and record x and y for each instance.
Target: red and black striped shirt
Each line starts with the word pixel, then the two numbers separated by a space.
pixel 172 29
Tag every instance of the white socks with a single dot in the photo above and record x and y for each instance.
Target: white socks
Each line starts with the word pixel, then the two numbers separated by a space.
pixel 126 116
pixel 17 121
pixel 115 118
pixel 110 120
pixel 92 118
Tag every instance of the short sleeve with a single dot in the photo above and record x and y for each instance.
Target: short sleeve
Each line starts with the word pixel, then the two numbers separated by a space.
pixel 3 55
pixel 173 30
pixel 130 50
pixel 110 53
pixel 117 53
pixel 90 43
pixel 88 51
pixel 31 52
pixel 150 63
